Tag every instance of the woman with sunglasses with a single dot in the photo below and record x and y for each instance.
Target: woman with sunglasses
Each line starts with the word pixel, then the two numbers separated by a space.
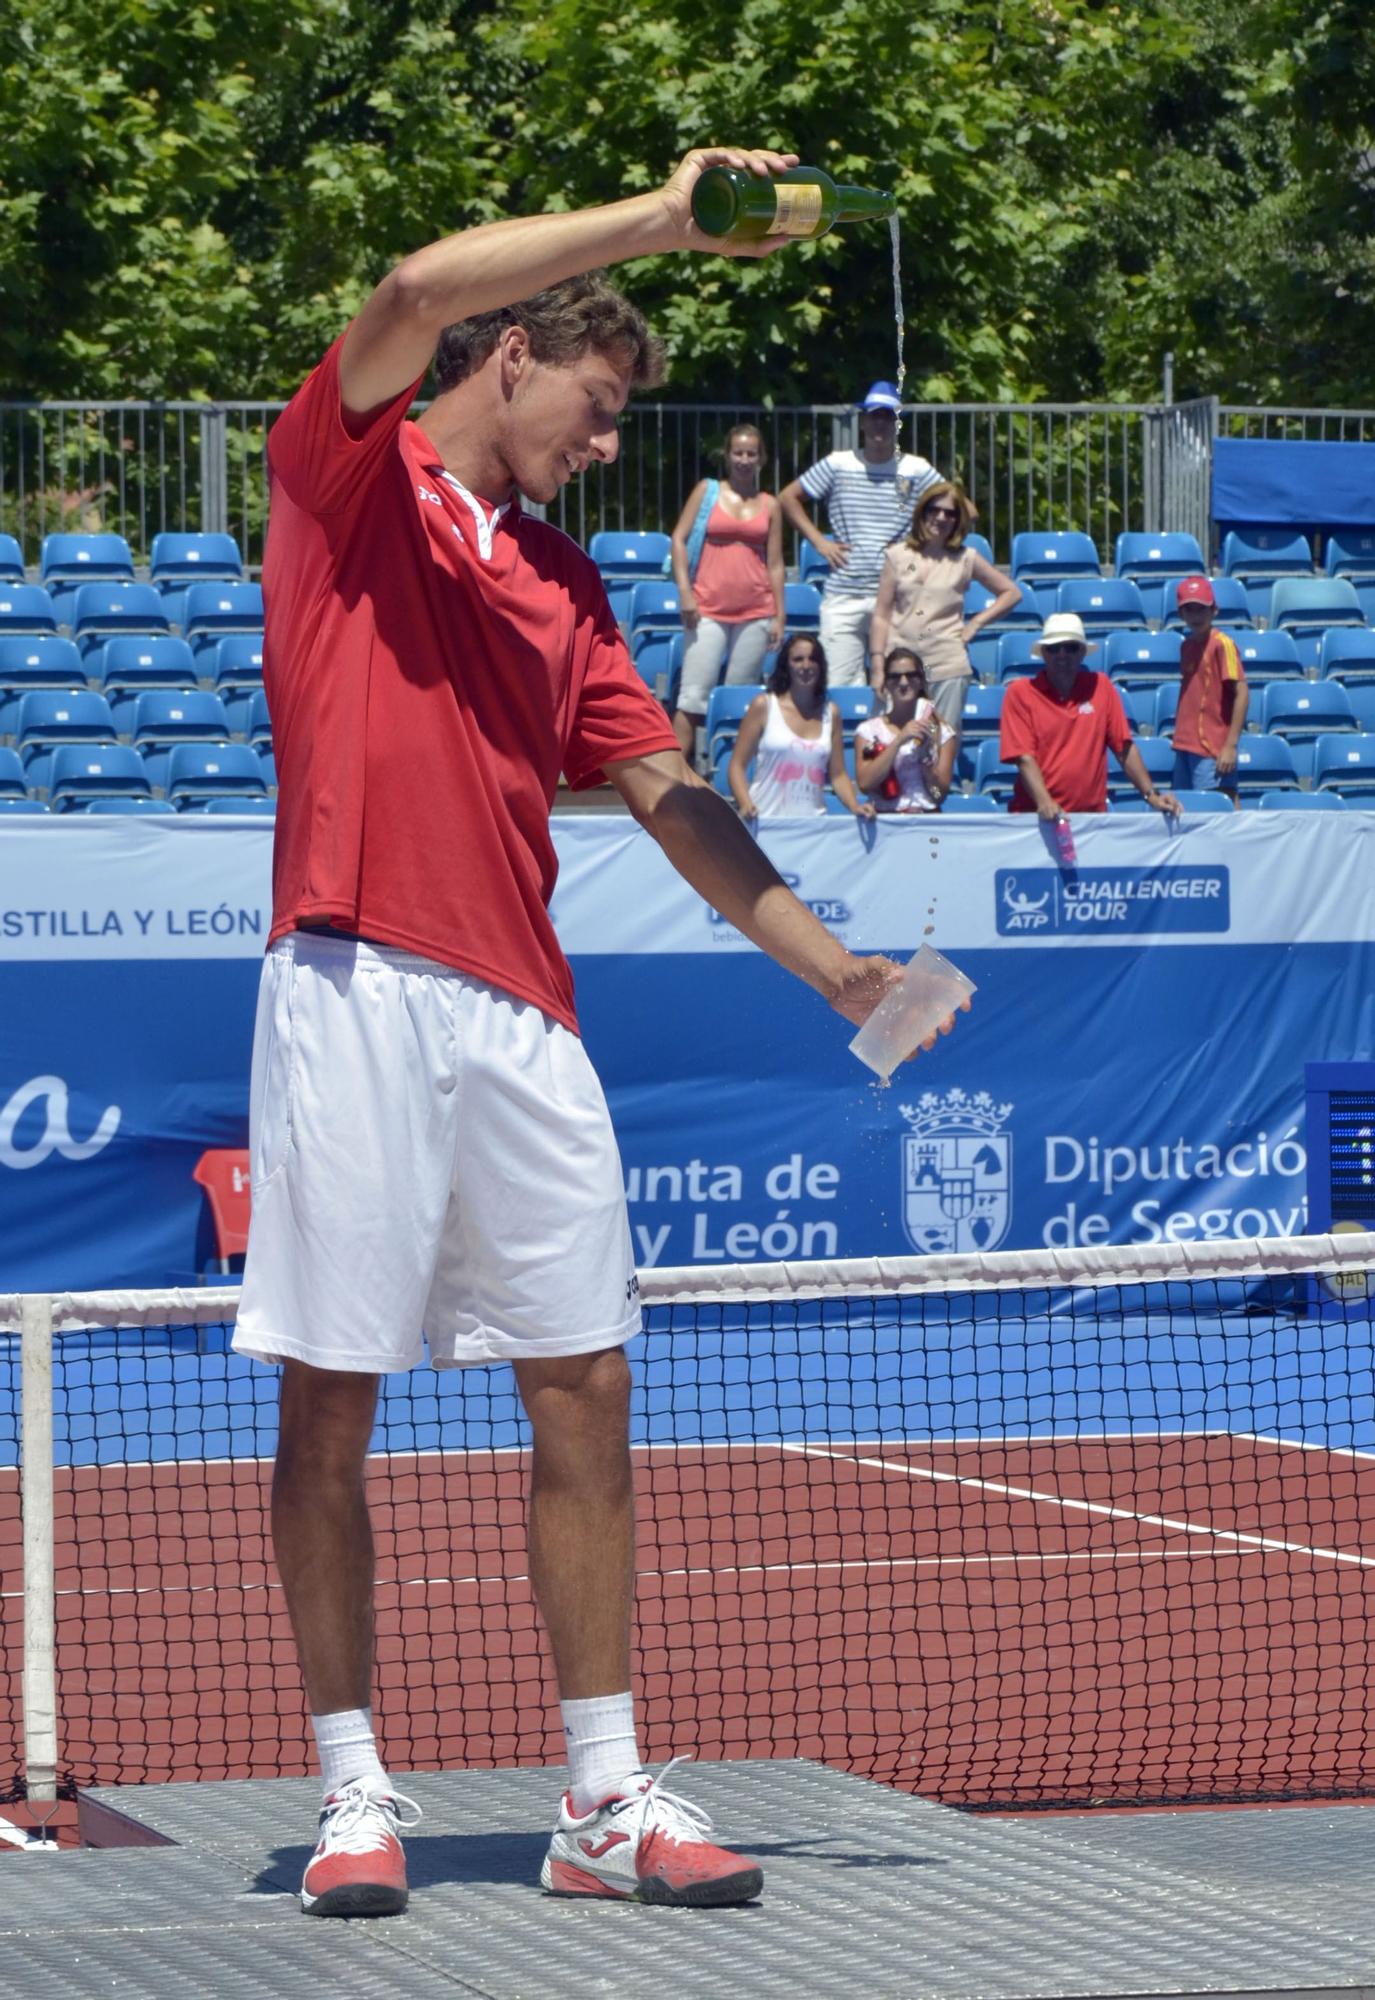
pixel 905 758
pixel 793 736
pixel 921 595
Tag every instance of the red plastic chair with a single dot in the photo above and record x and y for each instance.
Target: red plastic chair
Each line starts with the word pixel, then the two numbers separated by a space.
pixel 223 1173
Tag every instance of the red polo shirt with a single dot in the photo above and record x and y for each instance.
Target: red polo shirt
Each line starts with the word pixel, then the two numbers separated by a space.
pixel 1068 738
pixel 431 665
pixel 1210 675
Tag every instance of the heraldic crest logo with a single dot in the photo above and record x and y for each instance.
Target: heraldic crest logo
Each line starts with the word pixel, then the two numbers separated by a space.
pixel 956 1172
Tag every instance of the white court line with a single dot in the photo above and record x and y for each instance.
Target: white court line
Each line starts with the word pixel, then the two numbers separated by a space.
pixel 1099 1507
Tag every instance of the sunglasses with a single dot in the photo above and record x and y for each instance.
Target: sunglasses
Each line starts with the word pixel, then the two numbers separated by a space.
pixel 951 513
pixel 1062 646
pixel 904 680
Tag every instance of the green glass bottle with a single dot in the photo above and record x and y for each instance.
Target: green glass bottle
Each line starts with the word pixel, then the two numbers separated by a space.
pixel 804 201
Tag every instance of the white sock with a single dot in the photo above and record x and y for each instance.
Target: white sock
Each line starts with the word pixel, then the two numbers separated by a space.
pixel 347 1749
pixel 601 1747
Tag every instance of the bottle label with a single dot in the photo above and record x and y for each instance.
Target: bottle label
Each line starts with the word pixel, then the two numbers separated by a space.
pixel 797 208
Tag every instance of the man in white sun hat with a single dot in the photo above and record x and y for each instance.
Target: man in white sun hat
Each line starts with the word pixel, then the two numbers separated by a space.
pixel 1058 725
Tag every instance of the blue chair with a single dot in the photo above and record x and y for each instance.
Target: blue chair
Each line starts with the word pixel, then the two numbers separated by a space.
pixel 658 658
pixel 653 607
pixel 233 663
pixel 133 807
pixel 981 546
pixel 982 712
pixel 812 566
pixel 107 610
pixel 150 660
pixel 1350 552
pixel 85 559
pixel 1138 705
pixel 1346 653
pixel 962 803
pixel 1054 556
pixel 1345 764
pixel 267 764
pixel 246 807
pixel 1233 606
pixel 992 777
pixel 176 560
pixel 11 560
pixel 1265 764
pixel 725 712
pixel 1299 710
pixel 983 656
pixel 1140 659
pixel 801 607
pixel 1365 596
pixel 1362 699
pixel 1252 554
pixel 632 552
pixel 1141 556
pixel 1015 657
pixel 1301 802
pixel 62 715
pixel 1025 615
pixel 1268 656
pixel 1166 707
pixel 25 607
pixel 248 717
pixel 1111 604
pixel 13 784
pixel 20 808
pixel 1305 607
pixel 39 660
pixel 1158 757
pixel 80 772
pixel 211 609
pixel 1204 802
pixel 178 715
pixel 855 705
pixel 200 771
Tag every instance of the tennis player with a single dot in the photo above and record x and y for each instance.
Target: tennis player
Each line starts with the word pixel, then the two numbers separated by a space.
pixel 430 1147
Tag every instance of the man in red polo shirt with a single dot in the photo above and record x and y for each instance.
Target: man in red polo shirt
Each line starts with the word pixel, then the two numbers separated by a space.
pixel 1058 726
pixel 432 1159
pixel 1212 695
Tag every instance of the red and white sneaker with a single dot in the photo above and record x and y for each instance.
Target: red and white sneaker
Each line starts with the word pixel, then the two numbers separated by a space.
pixel 645 1845
pixel 358 1869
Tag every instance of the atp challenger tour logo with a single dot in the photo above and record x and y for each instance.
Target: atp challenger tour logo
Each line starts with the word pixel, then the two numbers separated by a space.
pixel 956 1172
pixel 1110 902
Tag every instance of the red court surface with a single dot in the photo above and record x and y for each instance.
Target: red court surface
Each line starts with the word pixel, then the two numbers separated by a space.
pixel 1001 1624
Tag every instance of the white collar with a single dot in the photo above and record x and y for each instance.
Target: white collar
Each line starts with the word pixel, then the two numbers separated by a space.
pixel 483 525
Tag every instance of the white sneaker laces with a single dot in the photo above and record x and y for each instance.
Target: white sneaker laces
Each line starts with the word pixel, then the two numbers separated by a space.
pixel 667 1811
pixel 350 1819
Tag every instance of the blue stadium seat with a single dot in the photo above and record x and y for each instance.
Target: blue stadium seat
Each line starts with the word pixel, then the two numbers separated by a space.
pixel 1054 556
pixel 20 808
pixel 983 656
pixel 1253 553
pixel 267 764
pixel 1345 764
pixel 80 772
pixel 1298 710
pixel 1015 657
pixel 1233 607
pixel 982 712
pixel 1350 552
pixel 245 807
pixel 1362 699
pixel 1166 707
pixel 1158 757
pixel 106 610
pixel 1301 802
pixel 725 712
pixel 658 660
pixel 214 608
pixel 176 560
pixel 1023 615
pixel 1204 802
pixel 178 715
pixel 812 566
pixel 1111 604
pixel 1140 659
pixel 39 660
pixel 653 607
pixel 1141 555
pixel 134 807
pixel 633 552
pixel 981 546
pixel 232 663
pixel 62 715
pixel 991 776
pixel 1268 656
pixel 855 704
pixel 25 607
pixel 1308 606
pixel 147 660
pixel 801 607
pixel 200 771
pixel 1365 597
pixel 248 717
pixel 85 559
pixel 1347 653
pixel 1265 764
pixel 11 560
pixel 1138 705
pixel 13 784
pixel 959 803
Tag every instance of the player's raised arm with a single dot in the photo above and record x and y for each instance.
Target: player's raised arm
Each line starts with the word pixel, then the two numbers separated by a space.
pixel 478 270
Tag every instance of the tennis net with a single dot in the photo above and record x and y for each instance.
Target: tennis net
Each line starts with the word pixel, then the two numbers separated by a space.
pixel 1013 1531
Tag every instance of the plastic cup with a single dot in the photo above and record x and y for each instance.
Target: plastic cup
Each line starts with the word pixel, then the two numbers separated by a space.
pixel 930 989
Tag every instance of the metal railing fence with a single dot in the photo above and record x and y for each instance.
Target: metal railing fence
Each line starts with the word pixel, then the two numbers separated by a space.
pixel 137 468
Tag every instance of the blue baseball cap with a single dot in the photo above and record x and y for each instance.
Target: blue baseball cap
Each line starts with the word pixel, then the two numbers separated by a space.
pixel 882 396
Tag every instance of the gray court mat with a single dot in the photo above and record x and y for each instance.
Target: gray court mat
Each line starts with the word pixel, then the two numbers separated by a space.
pixel 867 1892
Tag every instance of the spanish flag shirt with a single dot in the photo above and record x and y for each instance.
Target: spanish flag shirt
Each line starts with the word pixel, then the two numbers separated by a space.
pixel 1211 673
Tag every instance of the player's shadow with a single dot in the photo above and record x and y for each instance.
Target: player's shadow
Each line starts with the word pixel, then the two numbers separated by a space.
pixel 816 1848
pixel 431 1858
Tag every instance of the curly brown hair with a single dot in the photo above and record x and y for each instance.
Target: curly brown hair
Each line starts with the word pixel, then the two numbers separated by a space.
pixel 564 321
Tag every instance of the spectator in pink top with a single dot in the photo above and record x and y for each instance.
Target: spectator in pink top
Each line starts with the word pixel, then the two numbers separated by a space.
pixel 733 605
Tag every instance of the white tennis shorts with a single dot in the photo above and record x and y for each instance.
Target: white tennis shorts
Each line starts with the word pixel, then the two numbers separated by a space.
pixel 429 1156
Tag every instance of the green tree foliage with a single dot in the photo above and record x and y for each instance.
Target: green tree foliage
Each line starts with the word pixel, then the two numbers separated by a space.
pixel 195 197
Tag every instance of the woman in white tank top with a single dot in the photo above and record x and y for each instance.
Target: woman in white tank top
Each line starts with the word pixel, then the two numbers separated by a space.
pixel 793 735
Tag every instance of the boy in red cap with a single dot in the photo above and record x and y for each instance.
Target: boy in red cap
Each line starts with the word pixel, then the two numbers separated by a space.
pixel 1212 697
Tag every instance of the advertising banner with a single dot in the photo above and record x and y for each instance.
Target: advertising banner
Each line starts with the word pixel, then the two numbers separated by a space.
pixel 1132 1069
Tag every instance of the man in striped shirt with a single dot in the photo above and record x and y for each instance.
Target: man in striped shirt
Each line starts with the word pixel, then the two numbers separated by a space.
pixel 1212 696
pixel 869 497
